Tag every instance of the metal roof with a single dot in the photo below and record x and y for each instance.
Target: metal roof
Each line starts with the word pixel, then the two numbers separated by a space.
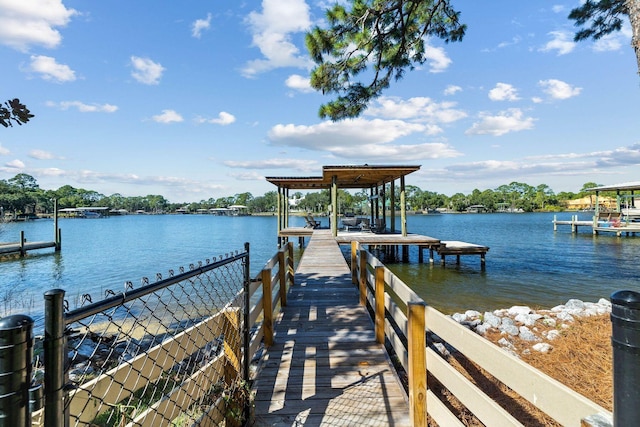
pixel 363 176
pixel 625 186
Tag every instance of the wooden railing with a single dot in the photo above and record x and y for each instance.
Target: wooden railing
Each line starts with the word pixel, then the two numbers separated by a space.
pixel 404 320
pixel 273 280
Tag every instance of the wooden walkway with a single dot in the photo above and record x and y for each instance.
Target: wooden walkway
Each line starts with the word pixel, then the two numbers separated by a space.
pixel 325 368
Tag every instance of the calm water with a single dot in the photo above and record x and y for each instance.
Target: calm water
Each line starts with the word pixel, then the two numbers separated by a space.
pixel 528 262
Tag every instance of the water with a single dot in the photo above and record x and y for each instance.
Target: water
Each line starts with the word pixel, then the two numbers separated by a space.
pixel 527 264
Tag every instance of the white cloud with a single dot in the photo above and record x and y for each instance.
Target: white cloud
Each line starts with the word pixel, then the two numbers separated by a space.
pixel 558 8
pixel 42 155
pixel 200 25
pixel 361 140
pixel 562 42
pixel 512 120
pixel 278 163
pixel 299 83
pixel 15 164
pixel 438 59
pixel 84 108
pixel 248 176
pixel 146 71
pixel 168 116
pixel 452 90
pixel 4 151
pixel 223 119
pixel 419 109
pixel 272 29
pixel 558 89
pixel 24 23
pixel 49 69
pixel 503 92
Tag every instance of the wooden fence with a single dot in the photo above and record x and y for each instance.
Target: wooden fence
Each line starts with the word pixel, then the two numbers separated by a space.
pixel 404 319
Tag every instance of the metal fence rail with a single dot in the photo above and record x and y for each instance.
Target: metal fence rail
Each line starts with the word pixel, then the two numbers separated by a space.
pixel 169 352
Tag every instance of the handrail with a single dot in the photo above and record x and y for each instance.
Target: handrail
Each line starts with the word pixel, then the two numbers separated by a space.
pixel 402 318
pixel 275 284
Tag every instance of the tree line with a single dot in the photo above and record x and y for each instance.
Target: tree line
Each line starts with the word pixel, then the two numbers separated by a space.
pixel 21 195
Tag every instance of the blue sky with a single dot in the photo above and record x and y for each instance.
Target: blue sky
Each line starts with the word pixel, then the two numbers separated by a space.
pixel 199 99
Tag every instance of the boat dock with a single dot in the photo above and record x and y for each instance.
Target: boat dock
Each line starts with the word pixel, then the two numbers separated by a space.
pixel 620 228
pixel 325 367
pixel 22 246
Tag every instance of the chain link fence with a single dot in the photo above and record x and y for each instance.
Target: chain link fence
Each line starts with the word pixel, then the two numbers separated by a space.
pixel 168 352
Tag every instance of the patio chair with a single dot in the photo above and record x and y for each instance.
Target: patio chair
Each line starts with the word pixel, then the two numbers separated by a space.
pixel 365 225
pixel 311 222
pixel 380 226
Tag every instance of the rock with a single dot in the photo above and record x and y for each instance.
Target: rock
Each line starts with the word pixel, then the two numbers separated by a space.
pixel 574 304
pixel 483 328
pixel 459 317
pixel 542 347
pixel 472 314
pixel 519 309
pixel 566 316
pixel 527 335
pixel 552 334
pixel 528 319
pixel 509 329
pixel 549 321
pixel 492 319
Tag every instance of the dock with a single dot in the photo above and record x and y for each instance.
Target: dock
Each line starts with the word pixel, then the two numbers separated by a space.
pixel 325 367
pixel 619 228
pixel 443 248
pixel 22 246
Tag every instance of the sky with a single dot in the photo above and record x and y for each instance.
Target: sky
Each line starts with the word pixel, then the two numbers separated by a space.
pixel 199 99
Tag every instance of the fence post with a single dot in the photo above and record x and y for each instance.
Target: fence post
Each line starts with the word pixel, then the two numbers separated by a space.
pixel 282 275
pixel 246 311
pixel 354 265
pixel 416 344
pixel 16 354
pixel 625 339
pixel 379 305
pixel 55 376
pixel 22 240
pixel 363 278
pixel 267 307
pixel 290 270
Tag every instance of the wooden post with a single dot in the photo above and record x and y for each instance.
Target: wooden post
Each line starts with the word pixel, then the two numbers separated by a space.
pixel 555 226
pixel 290 270
pixel 363 278
pixel 403 207
pixel 379 305
pixel 56 230
pixel 282 276
pixel 420 254
pixel 354 262
pixel 416 344
pixel 267 307
pixel 22 250
pixel 392 205
pixel 334 206
pixel 232 348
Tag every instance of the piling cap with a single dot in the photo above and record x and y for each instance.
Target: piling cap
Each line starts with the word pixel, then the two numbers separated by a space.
pixel 629 299
pixel 15 321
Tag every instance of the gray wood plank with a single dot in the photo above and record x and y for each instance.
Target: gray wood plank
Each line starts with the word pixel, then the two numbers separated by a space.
pixel 325 368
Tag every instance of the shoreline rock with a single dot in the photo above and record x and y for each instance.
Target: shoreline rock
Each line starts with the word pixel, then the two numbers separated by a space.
pixel 539 327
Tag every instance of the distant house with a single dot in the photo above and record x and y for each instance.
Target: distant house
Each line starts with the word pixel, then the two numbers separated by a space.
pixel 476 209
pixel 588 203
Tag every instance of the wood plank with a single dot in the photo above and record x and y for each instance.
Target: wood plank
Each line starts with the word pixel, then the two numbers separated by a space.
pixel 324 367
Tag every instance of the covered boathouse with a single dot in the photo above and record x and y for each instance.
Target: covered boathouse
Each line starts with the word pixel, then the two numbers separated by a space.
pixel 365 177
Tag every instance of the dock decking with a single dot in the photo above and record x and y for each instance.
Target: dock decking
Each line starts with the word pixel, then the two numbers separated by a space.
pixel 325 368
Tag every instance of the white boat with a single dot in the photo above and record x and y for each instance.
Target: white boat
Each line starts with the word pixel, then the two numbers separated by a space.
pixel 630 213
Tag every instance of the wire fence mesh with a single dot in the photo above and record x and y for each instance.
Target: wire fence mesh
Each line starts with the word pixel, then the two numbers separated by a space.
pixel 168 352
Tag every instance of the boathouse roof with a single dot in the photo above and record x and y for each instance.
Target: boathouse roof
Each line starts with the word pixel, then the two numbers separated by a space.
pixel 363 176
pixel 625 186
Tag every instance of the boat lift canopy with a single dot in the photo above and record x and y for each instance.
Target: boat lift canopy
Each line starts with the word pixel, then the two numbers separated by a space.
pixel 345 177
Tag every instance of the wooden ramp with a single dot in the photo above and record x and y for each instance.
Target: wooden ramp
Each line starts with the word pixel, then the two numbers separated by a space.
pixel 325 368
